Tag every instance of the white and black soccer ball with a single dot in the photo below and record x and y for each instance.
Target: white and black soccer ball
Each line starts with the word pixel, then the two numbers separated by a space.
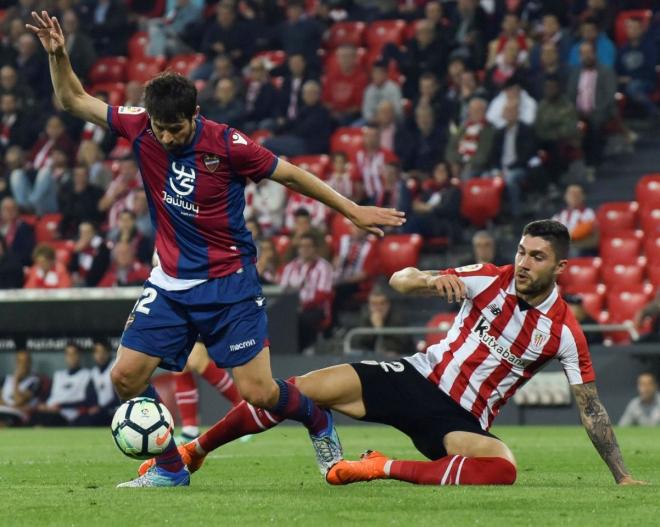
pixel 142 428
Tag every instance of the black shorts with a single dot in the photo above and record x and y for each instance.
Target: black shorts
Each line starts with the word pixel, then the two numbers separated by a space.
pixel 396 394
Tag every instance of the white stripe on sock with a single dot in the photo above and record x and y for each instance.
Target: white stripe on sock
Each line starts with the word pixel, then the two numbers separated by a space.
pixel 271 418
pixel 254 415
pixel 387 467
pixel 446 476
pixel 458 472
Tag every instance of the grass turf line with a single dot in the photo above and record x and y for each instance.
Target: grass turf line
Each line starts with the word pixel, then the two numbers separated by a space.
pixel 67 477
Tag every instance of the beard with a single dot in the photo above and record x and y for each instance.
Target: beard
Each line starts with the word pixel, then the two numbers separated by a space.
pixel 533 287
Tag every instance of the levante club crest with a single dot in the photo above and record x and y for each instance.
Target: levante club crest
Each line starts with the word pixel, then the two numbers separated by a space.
pixel 211 161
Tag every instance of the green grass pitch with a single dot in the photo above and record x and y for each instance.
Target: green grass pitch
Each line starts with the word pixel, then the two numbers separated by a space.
pixel 67 477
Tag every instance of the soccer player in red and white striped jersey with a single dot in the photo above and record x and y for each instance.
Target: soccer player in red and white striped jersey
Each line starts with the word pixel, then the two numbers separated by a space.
pixel 512 322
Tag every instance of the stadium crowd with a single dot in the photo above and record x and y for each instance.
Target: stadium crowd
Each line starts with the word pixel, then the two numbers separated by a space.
pixel 464 114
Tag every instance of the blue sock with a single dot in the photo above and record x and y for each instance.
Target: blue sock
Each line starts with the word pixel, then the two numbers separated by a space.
pixel 292 404
pixel 151 393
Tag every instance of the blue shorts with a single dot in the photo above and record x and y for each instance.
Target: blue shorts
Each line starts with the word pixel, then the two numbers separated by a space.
pixel 228 314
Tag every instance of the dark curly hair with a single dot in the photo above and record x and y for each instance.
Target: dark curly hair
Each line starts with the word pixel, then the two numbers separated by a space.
pixel 555 233
pixel 170 97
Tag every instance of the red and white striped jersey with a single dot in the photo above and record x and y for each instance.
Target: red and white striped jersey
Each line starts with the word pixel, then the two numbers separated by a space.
pixel 313 280
pixel 498 342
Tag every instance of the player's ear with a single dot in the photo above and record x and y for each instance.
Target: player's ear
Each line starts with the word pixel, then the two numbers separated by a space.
pixel 561 266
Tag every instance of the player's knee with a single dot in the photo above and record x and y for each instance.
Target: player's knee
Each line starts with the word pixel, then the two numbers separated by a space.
pixel 507 472
pixel 126 385
pixel 259 394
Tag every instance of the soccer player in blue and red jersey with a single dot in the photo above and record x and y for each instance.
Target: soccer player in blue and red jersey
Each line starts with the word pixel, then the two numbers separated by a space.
pixel 194 173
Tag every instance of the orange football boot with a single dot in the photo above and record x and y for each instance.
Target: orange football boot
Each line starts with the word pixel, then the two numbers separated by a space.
pixel 371 466
pixel 189 455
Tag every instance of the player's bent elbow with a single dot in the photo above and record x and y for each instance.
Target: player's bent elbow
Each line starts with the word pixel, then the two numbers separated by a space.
pixel 398 281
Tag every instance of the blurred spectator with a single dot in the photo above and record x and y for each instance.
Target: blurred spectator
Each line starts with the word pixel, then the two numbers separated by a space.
pixel 106 399
pixel 311 275
pixel 9 84
pixel 580 221
pixel 252 225
pixel 341 178
pixel 344 85
pixel 78 201
pixel 635 66
pixel 127 231
pixel 318 212
pixel 91 157
pixel 604 49
pixel 601 12
pixel 470 22
pixel 107 24
pixel 138 204
pixel 260 98
pixel 71 394
pixel 512 93
pixel 19 392
pixel 90 257
pixel 394 134
pixel 97 134
pixel 434 13
pixel 504 69
pixel 166 33
pixel 116 196
pixel 452 83
pixel 134 94
pixel 511 31
pixel 18 234
pixel 552 34
pixel 226 36
pixel 14 162
pixel 226 106
pixel 16 126
pixel 221 68
pixel 429 140
pixel 53 136
pixel 290 96
pixel 592 86
pixel 302 226
pixel 11 270
pixel 484 250
pixel 369 162
pixel 125 269
pixel 266 203
pixel 550 66
pixel 436 209
pixel 380 89
pixel 40 197
pixel 643 410
pixel 556 128
pixel 650 312
pixel 575 305
pixel 299 34
pixel 309 132
pixel 46 272
pixel 380 313
pixel 78 45
pixel 468 88
pixel 514 147
pixel 392 194
pixel 32 66
pixel 355 266
pixel 429 94
pixel 469 149
pixel 268 262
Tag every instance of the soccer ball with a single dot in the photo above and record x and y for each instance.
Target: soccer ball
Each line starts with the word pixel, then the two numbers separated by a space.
pixel 142 428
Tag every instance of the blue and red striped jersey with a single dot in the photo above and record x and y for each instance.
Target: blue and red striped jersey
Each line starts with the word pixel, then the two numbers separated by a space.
pixel 196 195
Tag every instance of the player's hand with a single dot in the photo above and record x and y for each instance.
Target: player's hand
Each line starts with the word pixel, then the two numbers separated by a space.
pixel 370 218
pixel 449 286
pixel 48 30
pixel 628 480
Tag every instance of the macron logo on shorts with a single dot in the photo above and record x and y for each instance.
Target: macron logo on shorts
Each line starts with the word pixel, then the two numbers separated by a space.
pixel 242 345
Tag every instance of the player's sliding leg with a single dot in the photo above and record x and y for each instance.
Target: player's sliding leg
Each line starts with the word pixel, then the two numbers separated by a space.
pixel 472 460
pixel 130 376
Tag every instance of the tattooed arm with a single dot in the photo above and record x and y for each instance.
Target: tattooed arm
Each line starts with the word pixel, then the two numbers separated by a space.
pixel 599 428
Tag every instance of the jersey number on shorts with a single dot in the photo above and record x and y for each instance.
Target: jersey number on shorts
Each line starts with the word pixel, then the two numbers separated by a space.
pixel 148 296
pixel 395 367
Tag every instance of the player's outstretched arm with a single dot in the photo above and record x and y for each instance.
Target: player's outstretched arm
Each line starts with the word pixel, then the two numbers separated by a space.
pixel 68 89
pixel 429 283
pixel 599 428
pixel 368 218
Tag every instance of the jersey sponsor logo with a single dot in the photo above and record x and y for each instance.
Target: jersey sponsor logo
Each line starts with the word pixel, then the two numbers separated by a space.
pixel 481 329
pixel 469 268
pixel 132 110
pixel 242 345
pixel 538 340
pixel 188 206
pixel 238 139
pixel 211 162
pixel 185 180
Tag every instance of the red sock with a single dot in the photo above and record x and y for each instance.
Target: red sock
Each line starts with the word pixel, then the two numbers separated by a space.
pixel 187 398
pixel 241 420
pixel 222 381
pixel 455 470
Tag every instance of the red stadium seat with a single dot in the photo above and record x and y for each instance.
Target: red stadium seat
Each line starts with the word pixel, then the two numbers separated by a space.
pixel 319 165
pixel 47 228
pixel 481 200
pixel 654 275
pixel 652 251
pixel 144 69
pixel 339 225
pixel 116 92
pixel 622 276
pixel 330 59
pixel 382 32
pixel 63 250
pixel 649 219
pixel 442 321
pixel 282 244
pixel 592 295
pixel 647 191
pixel 108 69
pixel 259 136
pixel 30 219
pixel 272 58
pixel 620 23
pixel 617 216
pixel 345 33
pixel 581 271
pixel 185 63
pixel 346 139
pixel 397 251
pixel 137 45
pixel 624 248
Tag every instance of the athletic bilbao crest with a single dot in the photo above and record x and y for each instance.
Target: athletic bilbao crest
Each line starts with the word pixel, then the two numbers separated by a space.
pixel 211 162
pixel 183 182
pixel 538 340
